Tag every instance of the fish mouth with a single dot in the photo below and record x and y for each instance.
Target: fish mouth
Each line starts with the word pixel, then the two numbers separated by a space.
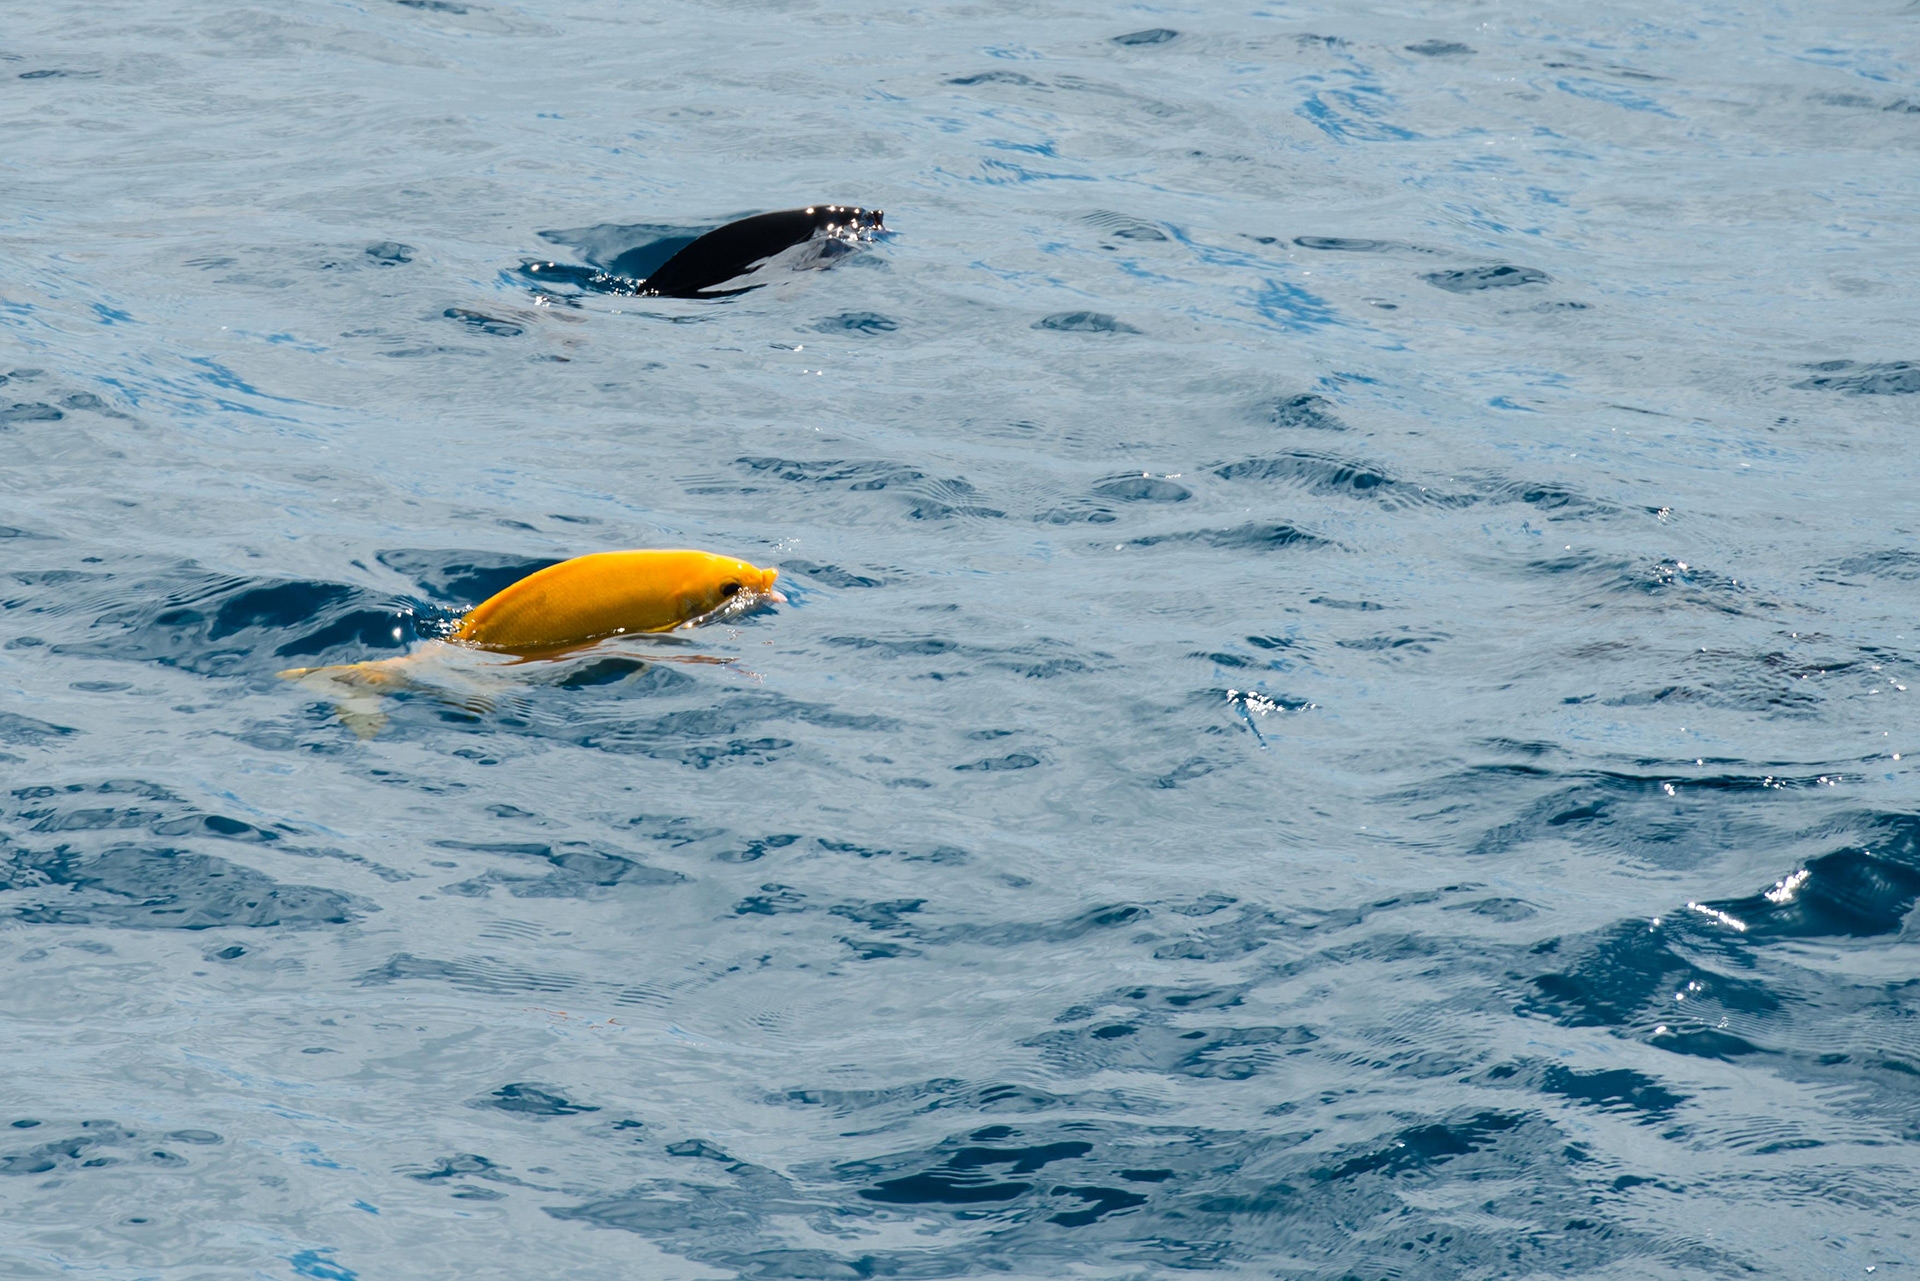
pixel 741 604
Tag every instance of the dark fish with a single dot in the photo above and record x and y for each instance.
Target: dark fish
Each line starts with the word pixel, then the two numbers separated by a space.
pixel 737 248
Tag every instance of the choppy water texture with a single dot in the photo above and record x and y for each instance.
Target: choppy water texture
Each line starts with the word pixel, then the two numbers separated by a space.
pixel 1344 711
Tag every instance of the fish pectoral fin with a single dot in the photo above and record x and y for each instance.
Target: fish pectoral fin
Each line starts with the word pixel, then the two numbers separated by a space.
pixel 379 673
pixel 356 691
pixel 364 715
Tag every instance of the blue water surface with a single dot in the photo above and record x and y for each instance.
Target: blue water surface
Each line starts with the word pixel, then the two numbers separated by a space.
pixel 1343 709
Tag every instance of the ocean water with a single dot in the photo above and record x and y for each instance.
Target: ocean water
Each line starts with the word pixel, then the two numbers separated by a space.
pixel 1344 708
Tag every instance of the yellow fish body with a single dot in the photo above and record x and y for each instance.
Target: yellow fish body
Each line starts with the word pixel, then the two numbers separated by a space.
pixel 607 594
pixel 561 607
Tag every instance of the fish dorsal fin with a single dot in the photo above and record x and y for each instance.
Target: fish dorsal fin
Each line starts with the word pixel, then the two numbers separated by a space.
pixel 728 252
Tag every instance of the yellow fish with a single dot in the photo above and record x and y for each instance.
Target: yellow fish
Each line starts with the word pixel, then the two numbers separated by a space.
pixel 546 614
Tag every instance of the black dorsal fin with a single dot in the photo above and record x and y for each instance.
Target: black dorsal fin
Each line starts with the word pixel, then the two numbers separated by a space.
pixel 735 249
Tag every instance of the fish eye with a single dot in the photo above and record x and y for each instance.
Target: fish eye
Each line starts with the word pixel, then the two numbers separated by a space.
pixel 729 589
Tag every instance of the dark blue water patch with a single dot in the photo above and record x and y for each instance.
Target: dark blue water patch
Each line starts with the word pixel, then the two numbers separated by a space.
pixel 96 1145
pixel 995 77
pixel 426 351
pixel 580 869
pixel 58 74
pixel 972 1174
pixel 1420 1148
pixel 1099 1203
pixel 772 900
pixel 1164 999
pixel 87 402
pixel 631 250
pixel 928 497
pixel 461 578
pixel 120 806
pixel 478 974
pixel 1638 973
pixel 1500 908
pixel 1248 930
pixel 1121 226
pixel 942 1094
pixel 1440 49
pixel 481 322
pixel 1251 537
pixel 1142 489
pixel 390 253
pixel 1152 35
pixel 867 949
pixel 1353 112
pixel 1770 683
pixel 1661 583
pixel 859 322
pixel 1674 820
pixel 1077 512
pixel 316 1265
pixel 1347 244
pixel 1165 1048
pixel 1895 563
pixel 433 6
pixel 1395 645
pixel 1703 1043
pixel 883 916
pixel 216 625
pixel 1051 1198
pixel 1845 894
pixel 633 675
pixel 1305 411
pixel 1000 764
pixel 682 834
pixel 1562 502
pixel 932 509
pixel 550 278
pixel 1694 583
pixel 1857 378
pixel 26 731
pixel 1037 659
pixel 910 854
pixel 146 887
pixel 831 575
pixel 752 851
pixel 1084 322
pixel 524 1099
pixel 1470 280
pixel 1613 1090
pixel 1239 662
pixel 671 717
pixel 1324 474
pixel 28 412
